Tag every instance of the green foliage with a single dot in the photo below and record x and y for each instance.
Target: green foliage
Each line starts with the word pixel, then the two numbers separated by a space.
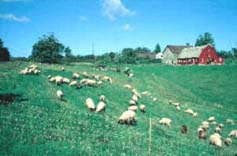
pixel 205 39
pixel 234 50
pixel 48 50
pixel 157 48
pixel 128 56
pixel 225 54
pixel 4 52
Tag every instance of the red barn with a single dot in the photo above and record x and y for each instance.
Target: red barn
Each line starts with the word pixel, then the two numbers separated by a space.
pixel 199 55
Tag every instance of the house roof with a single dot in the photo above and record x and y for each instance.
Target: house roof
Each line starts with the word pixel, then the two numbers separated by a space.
pixel 176 49
pixel 192 52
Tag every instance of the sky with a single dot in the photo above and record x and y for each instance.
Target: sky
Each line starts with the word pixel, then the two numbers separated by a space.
pixel 111 25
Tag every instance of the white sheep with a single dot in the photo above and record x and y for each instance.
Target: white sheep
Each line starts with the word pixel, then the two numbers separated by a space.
pixel 215 139
pixel 146 93
pixel 154 99
pixel 195 114
pixel 205 125
pixel 233 133
pixel 135 98
pixel 165 121
pixel 177 107
pixel 128 86
pixel 90 82
pixel 107 78
pixel 62 68
pixel 83 81
pixel 211 119
pixel 60 94
pixel 49 76
pixel 176 104
pixel 99 83
pixel 85 74
pixel 75 75
pixel 58 80
pixel 100 107
pixel 73 83
pixel 143 108
pixel 127 117
pixel 189 111
pixel 221 125
pixel 135 92
pixel 102 98
pixel 66 80
pixel 133 108
pixel 230 121
pixel 228 141
pixel 131 102
pixel 202 133
pixel 90 104
pixel 95 76
pixel 218 130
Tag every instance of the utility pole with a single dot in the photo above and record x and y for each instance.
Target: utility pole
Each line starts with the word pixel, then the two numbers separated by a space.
pixel 93 52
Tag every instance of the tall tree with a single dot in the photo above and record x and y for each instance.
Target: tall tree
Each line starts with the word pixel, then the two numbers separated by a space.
pixel 157 48
pixel 205 39
pixel 48 49
pixel 4 53
pixel 68 52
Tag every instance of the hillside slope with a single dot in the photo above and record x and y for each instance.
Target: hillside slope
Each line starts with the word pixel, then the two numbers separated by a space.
pixel 37 123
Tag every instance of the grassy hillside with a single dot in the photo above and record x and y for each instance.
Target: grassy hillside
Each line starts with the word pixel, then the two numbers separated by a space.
pixel 37 123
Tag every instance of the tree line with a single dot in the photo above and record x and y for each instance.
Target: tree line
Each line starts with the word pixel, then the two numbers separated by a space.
pixel 48 49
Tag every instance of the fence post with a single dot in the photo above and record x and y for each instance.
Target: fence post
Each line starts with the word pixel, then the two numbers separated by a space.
pixel 149 148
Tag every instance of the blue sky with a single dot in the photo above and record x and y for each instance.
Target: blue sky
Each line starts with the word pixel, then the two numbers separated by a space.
pixel 115 24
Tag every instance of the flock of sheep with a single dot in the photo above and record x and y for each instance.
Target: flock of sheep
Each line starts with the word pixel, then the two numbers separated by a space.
pixel 129 115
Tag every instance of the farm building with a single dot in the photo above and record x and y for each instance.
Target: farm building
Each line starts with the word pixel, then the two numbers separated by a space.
pixel 159 56
pixel 199 55
pixel 171 52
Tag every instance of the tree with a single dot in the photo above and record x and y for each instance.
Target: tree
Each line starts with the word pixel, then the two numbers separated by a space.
pixel 128 55
pixel 142 50
pixel 48 50
pixel 4 53
pixel 234 52
pixel 205 39
pixel 112 56
pixel 157 48
pixel 1 43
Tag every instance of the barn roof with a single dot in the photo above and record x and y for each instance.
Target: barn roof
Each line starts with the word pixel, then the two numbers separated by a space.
pixel 176 49
pixel 192 52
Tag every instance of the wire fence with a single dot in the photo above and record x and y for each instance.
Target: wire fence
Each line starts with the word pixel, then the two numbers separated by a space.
pixel 31 133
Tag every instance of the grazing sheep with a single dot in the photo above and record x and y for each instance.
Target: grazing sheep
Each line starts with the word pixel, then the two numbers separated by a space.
pixel 133 108
pixel 49 76
pixel 128 117
pixel 83 81
pixel 60 94
pixel 195 114
pixel 62 68
pixel 230 121
pixel 102 98
pixel 178 108
pixel 189 111
pixel 90 104
pixel 143 108
pixel 131 102
pixel 215 139
pixel 176 104
pixel 205 125
pixel 85 74
pixel 127 86
pixel 211 119
pixel 135 98
pixel 90 82
pixel 66 80
pixel 228 141
pixel 130 75
pixel 221 125
pixel 165 121
pixel 135 92
pixel 99 83
pixel 233 133
pixel 202 133
pixel 75 76
pixel 146 93
pixel 100 107
pixel 106 78
pixel 95 76
pixel 73 83
pixel 218 130
pixel 170 102
pixel 184 129
pixel 154 99
pixel 58 80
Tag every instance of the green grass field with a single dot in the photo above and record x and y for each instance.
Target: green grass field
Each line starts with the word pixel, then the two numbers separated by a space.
pixel 38 123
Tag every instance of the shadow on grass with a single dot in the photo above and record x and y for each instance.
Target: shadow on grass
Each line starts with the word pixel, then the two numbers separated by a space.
pixel 8 98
